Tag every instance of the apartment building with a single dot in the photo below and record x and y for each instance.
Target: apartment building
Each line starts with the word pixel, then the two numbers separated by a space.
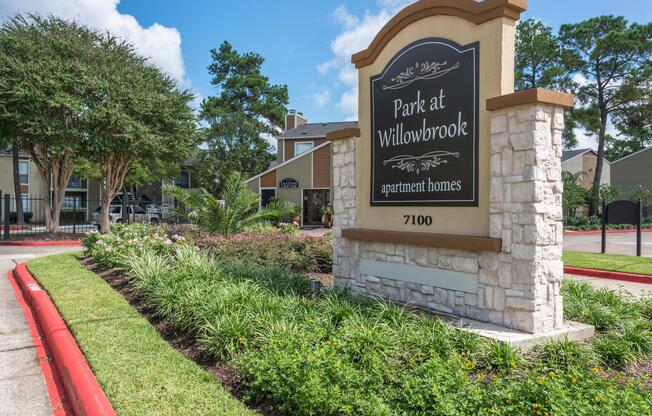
pixel 585 161
pixel 302 170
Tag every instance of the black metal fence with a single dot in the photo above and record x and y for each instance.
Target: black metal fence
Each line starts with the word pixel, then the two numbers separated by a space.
pixel 80 215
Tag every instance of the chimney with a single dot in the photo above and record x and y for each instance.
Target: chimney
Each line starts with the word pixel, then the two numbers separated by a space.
pixel 294 120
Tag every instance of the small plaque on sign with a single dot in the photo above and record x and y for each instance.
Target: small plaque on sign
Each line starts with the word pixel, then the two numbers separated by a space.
pixel 289 183
pixel 424 120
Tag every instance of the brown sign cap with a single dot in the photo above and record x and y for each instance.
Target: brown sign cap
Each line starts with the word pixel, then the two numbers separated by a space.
pixel 466 9
pixel 343 134
pixel 530 96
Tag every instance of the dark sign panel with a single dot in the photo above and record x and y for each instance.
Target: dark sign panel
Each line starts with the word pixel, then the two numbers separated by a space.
pixel 424 119
pixel 289 183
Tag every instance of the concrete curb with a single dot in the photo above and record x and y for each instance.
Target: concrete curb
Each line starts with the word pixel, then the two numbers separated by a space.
pixel 81 387
pixel 645 230
pixel 53 382
pixel 606 274
pixel 28 243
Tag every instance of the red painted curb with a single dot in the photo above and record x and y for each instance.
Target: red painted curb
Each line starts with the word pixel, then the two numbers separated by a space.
pixel 82 389
pixel 645 230
pixel 56 392
pixel 41 243
pixel 606 274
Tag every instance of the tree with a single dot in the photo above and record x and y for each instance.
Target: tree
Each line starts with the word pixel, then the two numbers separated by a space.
pixel 5 143
pixel 611 56
pixel 246 110
pixel 139 116
pixel 539 65
pixel 574 195
pixel 45 70
pixel 205 170
pixel 236 207
pixel 634 123
pixel 608 193
pixel 640 193
pixel 538 57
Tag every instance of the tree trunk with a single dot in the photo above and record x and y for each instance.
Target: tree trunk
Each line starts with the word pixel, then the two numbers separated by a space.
pixel 18 194
pixel 114 169
pixel 594 201
pixel 62 169
pixel 58 169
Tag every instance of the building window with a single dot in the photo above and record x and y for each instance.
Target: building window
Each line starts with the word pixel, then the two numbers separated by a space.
pixel 23 171
pixel 77 182
pixel 26 202
pixel 302 147
pixel 183 181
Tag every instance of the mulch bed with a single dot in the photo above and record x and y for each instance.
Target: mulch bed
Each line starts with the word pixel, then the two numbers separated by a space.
pixel 182 342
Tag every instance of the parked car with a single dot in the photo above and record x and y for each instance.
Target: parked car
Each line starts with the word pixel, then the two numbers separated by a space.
pixel 136 214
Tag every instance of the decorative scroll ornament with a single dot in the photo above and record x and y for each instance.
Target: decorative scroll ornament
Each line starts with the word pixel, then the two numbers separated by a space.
pixel 423 163
pixel 420 70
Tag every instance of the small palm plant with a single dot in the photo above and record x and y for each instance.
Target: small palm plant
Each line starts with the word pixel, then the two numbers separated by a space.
pixel 235 208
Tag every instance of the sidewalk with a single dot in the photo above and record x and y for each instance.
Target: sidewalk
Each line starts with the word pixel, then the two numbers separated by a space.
pixel 637 290
pixel 22 387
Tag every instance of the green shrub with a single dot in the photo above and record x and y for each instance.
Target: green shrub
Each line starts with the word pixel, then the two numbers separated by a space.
pixel 331 353
pixel 114 248
pixel 299 254
pixel 72 217
pixel 27 215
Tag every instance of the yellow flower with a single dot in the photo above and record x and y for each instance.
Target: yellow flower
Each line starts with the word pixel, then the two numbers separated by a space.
pixel 551 374
pixel 597 398
pixel 572 378
pixel 535 405
pixel 595 369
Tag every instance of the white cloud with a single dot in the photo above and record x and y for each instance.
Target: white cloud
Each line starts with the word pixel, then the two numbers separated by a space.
pixel 320 99
pixel 162 45
pixel 357 33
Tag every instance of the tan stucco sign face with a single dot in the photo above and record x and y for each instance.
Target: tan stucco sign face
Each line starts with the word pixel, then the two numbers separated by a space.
pixel 424 123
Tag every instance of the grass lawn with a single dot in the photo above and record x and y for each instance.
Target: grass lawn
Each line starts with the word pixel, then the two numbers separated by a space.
pixel 611 262
pixel 138 370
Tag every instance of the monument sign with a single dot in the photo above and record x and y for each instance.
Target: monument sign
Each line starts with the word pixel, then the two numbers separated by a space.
pixel 448 196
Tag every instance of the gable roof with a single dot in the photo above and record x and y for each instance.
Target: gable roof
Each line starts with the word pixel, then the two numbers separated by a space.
pixel 633 154
pixel 569 154
pixel 271 168
pixel 316 130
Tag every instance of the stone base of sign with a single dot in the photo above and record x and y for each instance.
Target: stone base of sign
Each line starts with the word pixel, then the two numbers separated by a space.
pixel 570 331
pixel 518 287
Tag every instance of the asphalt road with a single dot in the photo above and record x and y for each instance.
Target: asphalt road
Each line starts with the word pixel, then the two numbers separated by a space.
pixel 617 243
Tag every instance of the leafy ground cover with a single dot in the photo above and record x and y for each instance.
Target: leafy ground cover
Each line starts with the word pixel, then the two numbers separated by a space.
pixel 624 326
pixel 331 353
pixel 140 372
pixel 611 262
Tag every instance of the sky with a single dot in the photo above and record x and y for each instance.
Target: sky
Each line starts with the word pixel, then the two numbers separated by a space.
pixel 306 44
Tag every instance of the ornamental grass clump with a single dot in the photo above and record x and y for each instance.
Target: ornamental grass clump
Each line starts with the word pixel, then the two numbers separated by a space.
pixel 623 326
pixel 331 353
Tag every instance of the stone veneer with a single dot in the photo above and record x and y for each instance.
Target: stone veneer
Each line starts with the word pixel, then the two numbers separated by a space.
pixel 518 287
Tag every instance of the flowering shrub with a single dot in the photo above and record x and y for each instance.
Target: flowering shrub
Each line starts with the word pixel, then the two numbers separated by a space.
pixel 299 254
pixel 110 249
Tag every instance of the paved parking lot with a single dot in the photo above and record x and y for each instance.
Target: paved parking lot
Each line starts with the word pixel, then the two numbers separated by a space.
pixel 617 243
